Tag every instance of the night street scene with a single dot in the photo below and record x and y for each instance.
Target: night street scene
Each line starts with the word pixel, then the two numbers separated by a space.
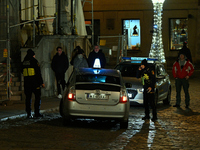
pixel 99 75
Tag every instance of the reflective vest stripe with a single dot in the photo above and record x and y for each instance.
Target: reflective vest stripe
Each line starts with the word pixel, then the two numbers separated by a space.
pixel 28 72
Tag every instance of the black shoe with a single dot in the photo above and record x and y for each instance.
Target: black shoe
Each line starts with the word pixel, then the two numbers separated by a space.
pixel 154 119
pixel 178 106
pixel 38 115
pixel 145 118
pixel 186 106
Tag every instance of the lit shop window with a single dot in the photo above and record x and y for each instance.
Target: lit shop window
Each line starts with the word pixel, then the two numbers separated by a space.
pixel 131 28
pixel 178 33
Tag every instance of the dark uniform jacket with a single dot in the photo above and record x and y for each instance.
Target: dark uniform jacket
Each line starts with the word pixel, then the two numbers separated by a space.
pixel 60 63
pixel 31 71
pixel 148 78
pixel 93 55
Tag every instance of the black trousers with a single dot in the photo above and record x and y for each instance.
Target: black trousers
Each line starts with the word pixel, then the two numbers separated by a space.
pixel 37 92
pixel 60 79
pixel 149 101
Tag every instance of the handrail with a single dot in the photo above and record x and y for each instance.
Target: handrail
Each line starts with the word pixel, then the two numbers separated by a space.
pixel 32 21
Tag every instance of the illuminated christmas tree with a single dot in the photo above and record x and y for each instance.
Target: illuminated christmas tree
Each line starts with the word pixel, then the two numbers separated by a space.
pixel 157 50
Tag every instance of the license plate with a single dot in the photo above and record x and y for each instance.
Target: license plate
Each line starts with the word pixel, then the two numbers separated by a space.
pixel 97 96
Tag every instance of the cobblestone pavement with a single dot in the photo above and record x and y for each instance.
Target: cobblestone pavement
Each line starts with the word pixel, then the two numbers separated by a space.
pixel 176 129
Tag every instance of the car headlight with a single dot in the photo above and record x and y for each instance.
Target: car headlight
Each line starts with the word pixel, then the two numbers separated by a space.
pixel 141 89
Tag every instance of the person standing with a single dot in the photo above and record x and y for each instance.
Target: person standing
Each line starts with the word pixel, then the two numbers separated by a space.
pixel 32 82
pixel 148 80
pixel 182 70
pixel 185 50
pixel 74 54
pixel 96 53
pixel 60 65
pixel 80 61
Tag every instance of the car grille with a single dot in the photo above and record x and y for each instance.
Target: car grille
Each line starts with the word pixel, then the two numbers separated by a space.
pixel 132 93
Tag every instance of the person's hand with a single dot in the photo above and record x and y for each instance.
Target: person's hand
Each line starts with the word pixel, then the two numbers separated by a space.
pixel 149 89
pixel 187 77
pixel 140 68
pixel 43 85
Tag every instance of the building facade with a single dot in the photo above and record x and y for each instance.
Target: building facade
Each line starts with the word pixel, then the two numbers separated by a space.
pixel 180 22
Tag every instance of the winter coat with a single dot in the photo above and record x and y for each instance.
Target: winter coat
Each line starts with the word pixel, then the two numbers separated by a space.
pixel 60 63
pixel 187 69
pixel 31 71
pixel 93 55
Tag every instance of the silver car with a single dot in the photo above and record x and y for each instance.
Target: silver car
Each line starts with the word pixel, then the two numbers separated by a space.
pixel 128 69
pixel 95 93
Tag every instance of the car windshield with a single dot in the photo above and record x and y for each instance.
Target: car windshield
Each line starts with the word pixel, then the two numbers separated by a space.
pixel 128 70
pixel 98 79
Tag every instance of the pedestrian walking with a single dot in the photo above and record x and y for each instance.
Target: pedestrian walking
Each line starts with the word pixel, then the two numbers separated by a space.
pixel 74 54
pixel 60 65
pixel 80 61
pixel 148 80
pixel 182 70
pixel 96 53
pixel 32 83
pixel 185 50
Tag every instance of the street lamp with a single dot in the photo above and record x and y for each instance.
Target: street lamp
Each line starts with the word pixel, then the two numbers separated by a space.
pixel 157 50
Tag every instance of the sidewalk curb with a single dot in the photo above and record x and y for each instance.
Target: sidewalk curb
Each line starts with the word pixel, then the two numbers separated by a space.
pixel 24 114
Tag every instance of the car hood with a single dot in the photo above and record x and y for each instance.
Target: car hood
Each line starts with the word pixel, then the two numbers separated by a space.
pixel 136 83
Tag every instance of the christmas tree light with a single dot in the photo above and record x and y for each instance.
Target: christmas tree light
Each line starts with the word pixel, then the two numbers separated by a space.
pixel 157 50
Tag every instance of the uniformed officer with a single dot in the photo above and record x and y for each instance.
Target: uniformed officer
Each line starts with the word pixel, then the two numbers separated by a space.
pixel 148 81
pixel 32 83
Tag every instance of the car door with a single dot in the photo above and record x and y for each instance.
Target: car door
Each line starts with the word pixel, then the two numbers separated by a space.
pixel 162 82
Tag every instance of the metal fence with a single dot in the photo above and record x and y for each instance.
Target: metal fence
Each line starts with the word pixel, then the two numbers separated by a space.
pixel 114 47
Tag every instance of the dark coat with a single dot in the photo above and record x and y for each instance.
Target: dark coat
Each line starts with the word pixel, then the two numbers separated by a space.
pixel 35 80
pixel 93 55
pixel 60 64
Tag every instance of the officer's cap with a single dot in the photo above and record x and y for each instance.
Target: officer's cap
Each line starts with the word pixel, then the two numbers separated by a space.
pixel 144 62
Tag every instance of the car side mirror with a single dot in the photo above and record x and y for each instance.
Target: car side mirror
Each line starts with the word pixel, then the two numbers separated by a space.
pixel 128 85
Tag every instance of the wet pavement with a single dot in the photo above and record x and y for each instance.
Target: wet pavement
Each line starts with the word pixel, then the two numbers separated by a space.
pixel 17 109
pixel 176 128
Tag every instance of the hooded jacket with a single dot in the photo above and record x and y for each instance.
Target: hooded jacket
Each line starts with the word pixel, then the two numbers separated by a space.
pixel 80 62
pixel 60 63
pixel 186 70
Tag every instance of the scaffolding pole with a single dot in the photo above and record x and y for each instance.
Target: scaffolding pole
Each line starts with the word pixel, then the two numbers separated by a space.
pixel 92 25
pixel 8 48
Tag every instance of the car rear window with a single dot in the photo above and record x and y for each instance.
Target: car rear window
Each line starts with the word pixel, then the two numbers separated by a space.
pixel 98 79
pixel 128 70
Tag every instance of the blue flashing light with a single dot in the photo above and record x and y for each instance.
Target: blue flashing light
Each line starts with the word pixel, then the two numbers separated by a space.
pixel 137 62
pixel 153 59
pixel 96 71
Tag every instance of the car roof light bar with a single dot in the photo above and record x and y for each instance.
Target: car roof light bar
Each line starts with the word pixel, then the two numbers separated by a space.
pixel 139 59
